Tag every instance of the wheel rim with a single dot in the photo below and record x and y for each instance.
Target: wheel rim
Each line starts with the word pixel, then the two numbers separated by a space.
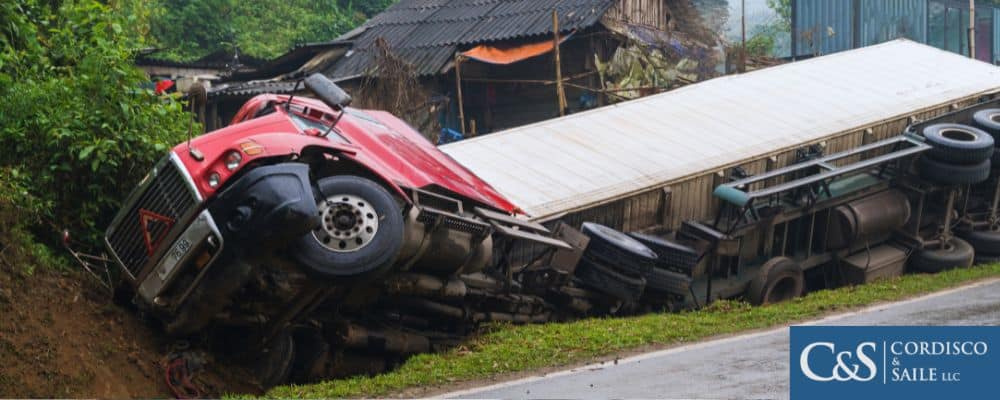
pixel 348 223
pixel 959 135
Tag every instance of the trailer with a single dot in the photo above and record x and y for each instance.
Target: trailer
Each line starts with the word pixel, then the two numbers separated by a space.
pixel 325 241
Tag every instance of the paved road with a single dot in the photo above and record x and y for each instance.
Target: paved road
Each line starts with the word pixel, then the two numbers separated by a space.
pixel 746 367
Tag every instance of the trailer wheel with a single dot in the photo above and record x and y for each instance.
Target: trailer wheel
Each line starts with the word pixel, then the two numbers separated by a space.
pixel 615 246
pixel 985 243
pixel 274 365
pixel 986 259
pixel 958 144
pixel 311 354
pixel 957 254
pixel 989 121
pixel 951 174
pixel 778 280
pixel 618 284
pixel 361 230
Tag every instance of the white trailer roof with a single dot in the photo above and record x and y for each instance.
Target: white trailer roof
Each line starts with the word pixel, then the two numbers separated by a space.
pixel 587 159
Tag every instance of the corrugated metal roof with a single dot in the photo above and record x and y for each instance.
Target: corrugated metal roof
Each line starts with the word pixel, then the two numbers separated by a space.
pixel 427 33
pixel 587 159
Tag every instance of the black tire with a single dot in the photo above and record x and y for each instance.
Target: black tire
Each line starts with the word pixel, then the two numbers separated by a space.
pixel 958 254
pixel 985 243
pixel 376 255
pixel 958 144
pixel 613 245
pixel 274 365
pixel 986 259
pixel 988 120
pixel 778 280
pixel 621 285
pixel 671 255
pixel 311 353
pixel 943 173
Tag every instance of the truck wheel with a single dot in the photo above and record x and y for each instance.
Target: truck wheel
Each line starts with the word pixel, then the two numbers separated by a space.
pixel 601 278
pixel 958 144
pixel 311 354
pixel 986 259
pixel 989 121
pixel 957 254
pixel 985 243
pixel 618 249
pixel 951 174
pixel 274 365
pixel 361 230
pixel 778 280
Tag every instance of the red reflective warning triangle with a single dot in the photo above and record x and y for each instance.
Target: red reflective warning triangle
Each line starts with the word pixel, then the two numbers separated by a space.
pixel 145 217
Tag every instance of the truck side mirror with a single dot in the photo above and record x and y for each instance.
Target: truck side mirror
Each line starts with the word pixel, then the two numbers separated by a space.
pixel 329 92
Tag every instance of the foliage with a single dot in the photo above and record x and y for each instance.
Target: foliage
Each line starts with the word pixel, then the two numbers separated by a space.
pixel 190 29
pixel 522 348
pixel 19 210
pixel 635 70
pixel 784 10
pixel 73 118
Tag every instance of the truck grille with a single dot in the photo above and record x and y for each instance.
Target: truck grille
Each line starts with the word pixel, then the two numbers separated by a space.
pixel 162 203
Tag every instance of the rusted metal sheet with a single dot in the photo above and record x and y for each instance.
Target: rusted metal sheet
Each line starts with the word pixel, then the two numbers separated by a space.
pixel 610 165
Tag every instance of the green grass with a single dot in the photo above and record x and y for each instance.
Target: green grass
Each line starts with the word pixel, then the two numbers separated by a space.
pixel 512 349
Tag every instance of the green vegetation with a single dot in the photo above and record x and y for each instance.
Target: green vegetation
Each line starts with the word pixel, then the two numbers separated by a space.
pixel 190 29
pixel 77 128
pixel 509 349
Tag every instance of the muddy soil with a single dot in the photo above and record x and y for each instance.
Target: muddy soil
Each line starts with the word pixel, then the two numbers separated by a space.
pixel 61 336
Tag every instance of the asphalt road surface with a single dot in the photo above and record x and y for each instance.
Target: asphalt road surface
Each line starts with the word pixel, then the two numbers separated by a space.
pixel 752 366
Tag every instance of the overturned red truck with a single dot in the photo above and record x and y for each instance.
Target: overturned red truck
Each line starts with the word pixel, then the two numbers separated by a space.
pixel 329 241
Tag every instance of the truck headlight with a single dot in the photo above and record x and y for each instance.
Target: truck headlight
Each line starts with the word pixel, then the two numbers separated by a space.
pixel 214 179
pixel 233 160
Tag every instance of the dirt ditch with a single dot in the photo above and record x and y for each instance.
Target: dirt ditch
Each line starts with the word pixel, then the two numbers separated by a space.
pixel 61 336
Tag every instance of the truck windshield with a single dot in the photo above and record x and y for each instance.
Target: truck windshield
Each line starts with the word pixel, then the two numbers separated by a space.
pixel 306 123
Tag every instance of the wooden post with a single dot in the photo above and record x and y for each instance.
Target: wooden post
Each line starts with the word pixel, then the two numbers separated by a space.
pixel 972 28
pixel 458 89
pixel 743 31
pixel 559 81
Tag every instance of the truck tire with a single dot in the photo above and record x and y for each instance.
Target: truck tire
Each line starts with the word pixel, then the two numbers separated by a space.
pixel 958 144
pixel 986 259
pixel 618 248
pixel 989 121
pixel 985 243
pixel 274 364
pixel 778 280
pixel 311 353
pixel 621 285
pixel 958 254
pixel 361 230
pixel 943 173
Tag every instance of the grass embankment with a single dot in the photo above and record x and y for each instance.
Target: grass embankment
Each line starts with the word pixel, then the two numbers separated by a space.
pixel 523 348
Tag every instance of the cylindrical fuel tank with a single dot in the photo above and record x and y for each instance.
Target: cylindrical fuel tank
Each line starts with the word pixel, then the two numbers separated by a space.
pixel 442 251
pixel 864 218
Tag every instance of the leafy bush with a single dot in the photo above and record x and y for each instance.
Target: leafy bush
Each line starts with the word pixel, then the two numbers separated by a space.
pixel 19 210
pixel 190 29
pixel 73 118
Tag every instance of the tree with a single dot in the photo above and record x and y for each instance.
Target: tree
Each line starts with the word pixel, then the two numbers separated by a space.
pixel 189 29
pixel 77 129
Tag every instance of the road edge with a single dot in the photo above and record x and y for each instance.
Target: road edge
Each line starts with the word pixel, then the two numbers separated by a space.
pixel 704 343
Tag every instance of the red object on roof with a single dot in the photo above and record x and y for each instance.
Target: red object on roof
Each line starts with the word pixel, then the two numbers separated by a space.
pixel 163 86
pixel 509 53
